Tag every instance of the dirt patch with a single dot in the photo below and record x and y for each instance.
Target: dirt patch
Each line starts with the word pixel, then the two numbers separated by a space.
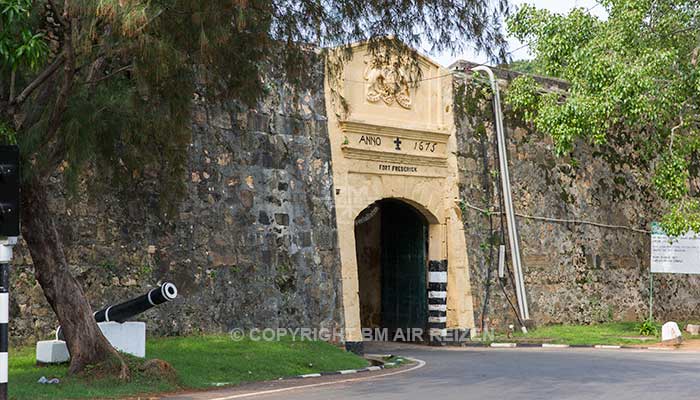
pixel 687 344
pixel 154 369
pixel 159 369
pixel 111 367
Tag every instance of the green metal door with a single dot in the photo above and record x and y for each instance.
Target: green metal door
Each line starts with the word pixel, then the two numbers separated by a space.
pixel 404 289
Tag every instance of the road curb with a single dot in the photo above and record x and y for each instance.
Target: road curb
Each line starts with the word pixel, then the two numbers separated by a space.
pixel 371 368
pixel 416 364
pixel 512 345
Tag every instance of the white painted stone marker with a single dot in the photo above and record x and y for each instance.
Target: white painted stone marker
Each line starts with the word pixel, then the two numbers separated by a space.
pixel 693 329
pixel 671 331
pixel 52 352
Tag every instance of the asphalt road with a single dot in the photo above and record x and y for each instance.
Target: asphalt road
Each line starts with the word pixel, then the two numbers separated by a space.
pixel 503 374
pixel 524 374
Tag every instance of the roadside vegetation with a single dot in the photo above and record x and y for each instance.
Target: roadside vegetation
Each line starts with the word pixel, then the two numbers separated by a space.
pixel 610 333
pixel 633 82
pixel 199 362
pixel 607 333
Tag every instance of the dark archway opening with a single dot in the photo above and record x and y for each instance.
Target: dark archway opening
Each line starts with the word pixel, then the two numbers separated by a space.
pixel 391 245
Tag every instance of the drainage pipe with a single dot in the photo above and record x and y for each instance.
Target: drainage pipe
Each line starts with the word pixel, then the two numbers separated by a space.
pixel 507 196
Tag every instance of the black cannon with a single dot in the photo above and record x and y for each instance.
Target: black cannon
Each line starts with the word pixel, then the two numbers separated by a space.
pixel 123 311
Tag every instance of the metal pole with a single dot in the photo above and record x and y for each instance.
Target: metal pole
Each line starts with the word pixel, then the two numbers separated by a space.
pixel 507 196
pixel 501 261
pixel 651 295
pixel 5 258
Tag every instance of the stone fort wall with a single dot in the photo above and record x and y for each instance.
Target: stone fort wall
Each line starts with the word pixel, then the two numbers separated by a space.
pixel 574 272
pixel 254 242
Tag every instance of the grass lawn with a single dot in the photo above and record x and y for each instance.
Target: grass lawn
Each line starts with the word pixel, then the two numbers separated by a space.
pixel 615 333
pixel 201 362
pixel 608 333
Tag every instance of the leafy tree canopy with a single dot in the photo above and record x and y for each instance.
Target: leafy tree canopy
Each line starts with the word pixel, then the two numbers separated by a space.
pixel 634 84
pixel 113 80
pixel 524 66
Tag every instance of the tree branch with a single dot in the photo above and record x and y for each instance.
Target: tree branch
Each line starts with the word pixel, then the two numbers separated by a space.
pixel 122 69
pixel 13 79
pixel 95 68
pixel 673 130
pixel 40 79
pixel 64 92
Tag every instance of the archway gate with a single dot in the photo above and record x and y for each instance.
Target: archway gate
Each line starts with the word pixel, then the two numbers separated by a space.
pixel 398 142
pixel 391 239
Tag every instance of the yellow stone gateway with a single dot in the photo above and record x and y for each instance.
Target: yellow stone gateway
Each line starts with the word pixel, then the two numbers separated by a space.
pixel 395 176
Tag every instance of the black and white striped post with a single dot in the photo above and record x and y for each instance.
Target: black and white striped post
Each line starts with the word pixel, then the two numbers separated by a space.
pixel 6 246
pixel 9 231
pixel 437 301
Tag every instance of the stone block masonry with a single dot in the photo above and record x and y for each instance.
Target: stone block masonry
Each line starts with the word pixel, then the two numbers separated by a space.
pixel 574 273
pixel 253 242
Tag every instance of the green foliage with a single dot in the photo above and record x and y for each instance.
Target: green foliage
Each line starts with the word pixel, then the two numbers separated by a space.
pixel 145 271
pixel 7 134
pixel 110 266
pixel 121 76
pixel 522 96
pixel 671 178
pixel 633 83
pixel 648 328
pixel 470 96
pixel 525 66
pixel 20 43
pixel 608 333
pixel 683 216
pixel 558 37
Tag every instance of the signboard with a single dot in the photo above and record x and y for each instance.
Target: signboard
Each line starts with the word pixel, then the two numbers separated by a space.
pixel 9 191
pixel 679 255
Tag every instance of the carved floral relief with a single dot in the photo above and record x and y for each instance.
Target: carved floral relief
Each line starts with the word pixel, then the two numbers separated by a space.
pixel 388 83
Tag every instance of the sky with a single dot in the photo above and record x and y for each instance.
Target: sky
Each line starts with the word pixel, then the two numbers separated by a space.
pixel 558 6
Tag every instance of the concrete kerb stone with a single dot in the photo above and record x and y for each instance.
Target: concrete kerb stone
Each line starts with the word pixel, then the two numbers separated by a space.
pixel 378 358
pixel 510 345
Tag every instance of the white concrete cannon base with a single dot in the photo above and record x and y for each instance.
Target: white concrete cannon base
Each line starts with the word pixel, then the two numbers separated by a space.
pixel 128 337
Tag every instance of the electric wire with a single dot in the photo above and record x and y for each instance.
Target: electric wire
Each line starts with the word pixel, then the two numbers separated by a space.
pixel 562 220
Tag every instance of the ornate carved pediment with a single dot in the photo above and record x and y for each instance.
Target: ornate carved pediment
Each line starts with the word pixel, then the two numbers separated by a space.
pixel 388 82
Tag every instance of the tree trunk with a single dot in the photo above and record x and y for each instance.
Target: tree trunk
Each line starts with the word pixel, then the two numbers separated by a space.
pixel 86 344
